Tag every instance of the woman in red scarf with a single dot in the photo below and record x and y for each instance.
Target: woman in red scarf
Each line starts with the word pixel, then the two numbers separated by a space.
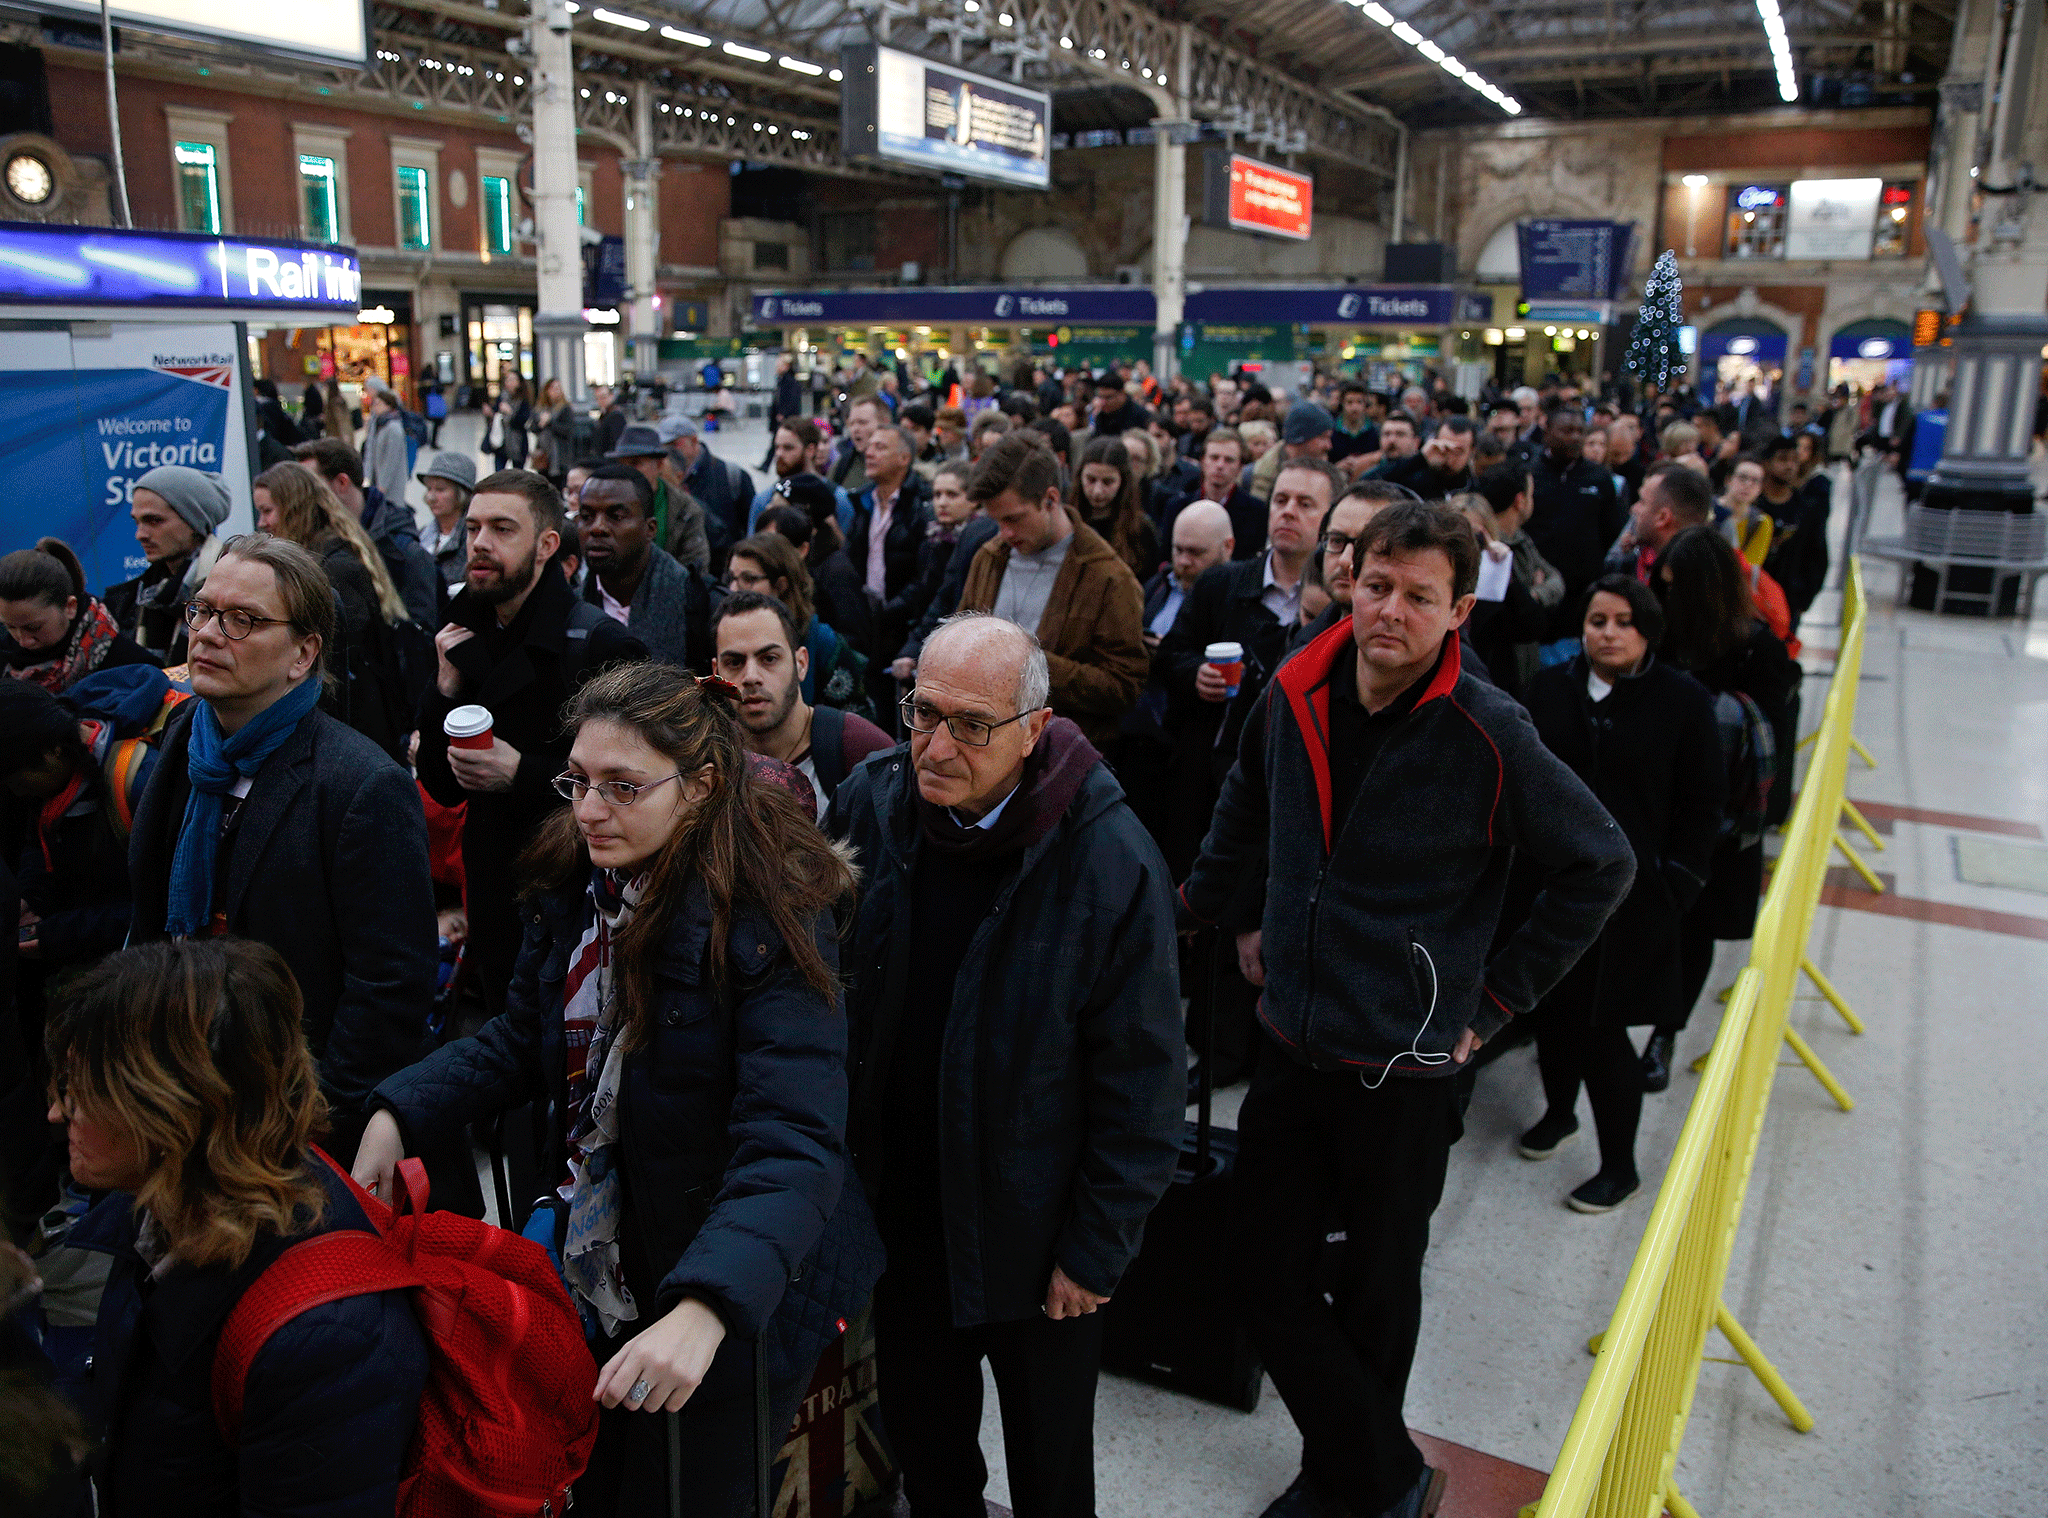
pixel 56 631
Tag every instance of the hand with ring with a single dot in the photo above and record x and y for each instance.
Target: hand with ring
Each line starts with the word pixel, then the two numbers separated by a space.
pixel 658 1369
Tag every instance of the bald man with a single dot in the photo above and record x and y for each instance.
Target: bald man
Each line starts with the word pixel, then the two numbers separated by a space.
pixel 1018 1108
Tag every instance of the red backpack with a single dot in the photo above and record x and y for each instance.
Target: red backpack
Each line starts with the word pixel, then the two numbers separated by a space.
pixel 506 1419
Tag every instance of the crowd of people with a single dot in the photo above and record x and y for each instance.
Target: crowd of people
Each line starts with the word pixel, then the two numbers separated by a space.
pixel 806 897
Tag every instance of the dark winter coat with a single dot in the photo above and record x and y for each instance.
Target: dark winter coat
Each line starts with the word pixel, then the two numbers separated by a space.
pixel 903 591
pixel 1650 753
pixel 329 1406
pixel 81 891
pixel 841 602
pixel 732 1122
pixel 1247 520
pixel 1063 1076
pixel 393 528
pixel 364 694
pixel 670 612
pixel 974 532
pixel 1224 607
pixel 1577 516
pixel 1381 935
pixel 1761 670
pixel 327 864
pixel 1798 558
pixel 523 674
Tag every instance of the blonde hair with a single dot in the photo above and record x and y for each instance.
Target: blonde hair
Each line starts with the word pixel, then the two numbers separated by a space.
pixel 193 1049
pixel 308 511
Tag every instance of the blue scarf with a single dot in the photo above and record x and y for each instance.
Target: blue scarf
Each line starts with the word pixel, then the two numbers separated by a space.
pixel 213 762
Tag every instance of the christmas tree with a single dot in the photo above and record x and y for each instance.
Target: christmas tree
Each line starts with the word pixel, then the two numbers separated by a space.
pixel 1653 353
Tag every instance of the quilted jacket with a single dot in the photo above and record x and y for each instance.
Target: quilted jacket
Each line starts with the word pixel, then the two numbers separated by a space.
pixel 732 1116
pixel 330 1404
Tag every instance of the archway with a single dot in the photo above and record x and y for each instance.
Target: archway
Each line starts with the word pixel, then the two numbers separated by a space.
pixel 1044 253
pixel 1744 355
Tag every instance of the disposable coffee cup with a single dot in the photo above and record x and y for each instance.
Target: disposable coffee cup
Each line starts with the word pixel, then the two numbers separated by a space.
pixel 468 727
pixel 1228 661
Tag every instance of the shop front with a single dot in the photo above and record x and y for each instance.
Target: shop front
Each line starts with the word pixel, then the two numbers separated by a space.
pixel 1389 335
pixel 498 333
pixel 1743 356
pixel 379 345
pixel 1869 353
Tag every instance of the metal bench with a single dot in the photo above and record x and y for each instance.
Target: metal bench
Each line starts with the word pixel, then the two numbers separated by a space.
pixel 2011 545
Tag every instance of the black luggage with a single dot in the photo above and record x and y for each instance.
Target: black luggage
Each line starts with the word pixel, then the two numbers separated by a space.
pixel 1175 1320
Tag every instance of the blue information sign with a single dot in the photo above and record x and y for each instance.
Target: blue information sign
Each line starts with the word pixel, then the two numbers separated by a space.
pixel 1338 305
pixel 911 305
pixel 103 266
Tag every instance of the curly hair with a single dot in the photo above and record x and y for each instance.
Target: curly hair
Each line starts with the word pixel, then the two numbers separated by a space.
pixel 750 845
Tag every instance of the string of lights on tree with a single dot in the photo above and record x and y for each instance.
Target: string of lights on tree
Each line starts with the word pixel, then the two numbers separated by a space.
pixel 1653 353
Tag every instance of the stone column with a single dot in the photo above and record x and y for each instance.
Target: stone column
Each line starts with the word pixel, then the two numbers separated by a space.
pixel 643 237
pixel 1169 241
pixel 558 324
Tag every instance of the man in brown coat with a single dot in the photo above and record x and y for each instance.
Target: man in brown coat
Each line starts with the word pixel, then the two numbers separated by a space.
pixel 1047 571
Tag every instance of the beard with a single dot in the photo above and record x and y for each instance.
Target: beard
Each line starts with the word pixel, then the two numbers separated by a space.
pixel 777 713
pixel 507 583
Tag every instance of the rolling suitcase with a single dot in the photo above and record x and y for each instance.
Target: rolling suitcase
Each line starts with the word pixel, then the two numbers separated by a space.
pixel 1175 1320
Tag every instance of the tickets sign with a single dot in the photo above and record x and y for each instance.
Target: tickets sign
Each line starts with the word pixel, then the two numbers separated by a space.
pixel 1266 199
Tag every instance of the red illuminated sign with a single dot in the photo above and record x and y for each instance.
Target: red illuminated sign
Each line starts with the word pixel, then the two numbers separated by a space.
pixel 1267 199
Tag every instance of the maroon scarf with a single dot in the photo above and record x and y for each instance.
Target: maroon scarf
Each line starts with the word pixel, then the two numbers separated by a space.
pixel 86 648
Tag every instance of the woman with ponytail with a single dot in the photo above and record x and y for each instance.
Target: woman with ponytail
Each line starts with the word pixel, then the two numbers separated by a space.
pixel 677 1009
pixel 56 631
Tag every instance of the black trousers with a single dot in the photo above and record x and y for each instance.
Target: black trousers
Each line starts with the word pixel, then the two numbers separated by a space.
pixel 930 1372
pixel 1317 1151
pixel 629 1474
pixel 1573 1046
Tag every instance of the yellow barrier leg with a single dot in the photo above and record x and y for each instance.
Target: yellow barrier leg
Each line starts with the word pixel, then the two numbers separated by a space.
pixel 1820 1071
pixel 1676 1505
pixel 1807 739
pixel 1862 824
pixel 1766 1372
pixel 1862 753
pixel 1826 989
pixel 1856 862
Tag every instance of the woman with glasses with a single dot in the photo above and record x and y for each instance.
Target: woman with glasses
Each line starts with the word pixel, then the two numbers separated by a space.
pixel 677 1010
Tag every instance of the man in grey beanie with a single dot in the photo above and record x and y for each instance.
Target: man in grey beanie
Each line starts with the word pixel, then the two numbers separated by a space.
pixel 176 511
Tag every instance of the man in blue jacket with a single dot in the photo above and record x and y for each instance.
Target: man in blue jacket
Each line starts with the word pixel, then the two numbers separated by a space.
pixel 1018 1074
pixel 1378 797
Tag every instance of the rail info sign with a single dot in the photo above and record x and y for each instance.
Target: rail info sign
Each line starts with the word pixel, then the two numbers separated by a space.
pixel 1263 198
pixel 904 109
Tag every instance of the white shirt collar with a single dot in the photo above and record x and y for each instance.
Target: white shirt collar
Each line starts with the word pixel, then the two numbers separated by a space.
pixel 988 818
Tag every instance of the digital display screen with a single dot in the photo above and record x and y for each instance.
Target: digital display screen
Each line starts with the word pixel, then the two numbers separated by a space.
pixel 330 30
pixel 904 109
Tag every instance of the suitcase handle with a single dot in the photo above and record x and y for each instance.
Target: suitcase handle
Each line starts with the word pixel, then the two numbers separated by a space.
pixel 1205 1074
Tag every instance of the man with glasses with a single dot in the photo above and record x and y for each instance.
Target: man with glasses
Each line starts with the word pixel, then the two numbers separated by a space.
pixel 518 643
pixel 271 820
pixel 1017 1102
pixel 633 579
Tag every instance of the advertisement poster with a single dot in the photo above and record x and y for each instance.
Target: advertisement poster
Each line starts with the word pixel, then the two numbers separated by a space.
pixel 91 415
pixel 1831 218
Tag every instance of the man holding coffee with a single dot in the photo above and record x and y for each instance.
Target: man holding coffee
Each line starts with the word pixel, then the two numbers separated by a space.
pixel 518 644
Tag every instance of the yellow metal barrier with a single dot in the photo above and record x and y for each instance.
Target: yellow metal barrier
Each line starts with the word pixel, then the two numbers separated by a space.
pixel 1622 1447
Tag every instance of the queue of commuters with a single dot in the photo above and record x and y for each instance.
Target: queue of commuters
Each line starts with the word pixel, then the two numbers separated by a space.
pixel 793 891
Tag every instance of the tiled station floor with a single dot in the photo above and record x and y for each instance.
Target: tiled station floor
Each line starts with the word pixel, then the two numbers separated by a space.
pixel 1890 1260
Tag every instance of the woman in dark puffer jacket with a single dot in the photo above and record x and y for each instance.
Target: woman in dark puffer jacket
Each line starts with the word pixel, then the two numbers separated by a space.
pixel 677 1006
pixel 187 1089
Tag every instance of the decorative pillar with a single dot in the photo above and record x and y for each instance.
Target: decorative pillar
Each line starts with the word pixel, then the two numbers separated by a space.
pixel 643 238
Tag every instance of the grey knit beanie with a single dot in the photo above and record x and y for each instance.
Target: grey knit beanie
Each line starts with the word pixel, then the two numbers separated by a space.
pixel 200 498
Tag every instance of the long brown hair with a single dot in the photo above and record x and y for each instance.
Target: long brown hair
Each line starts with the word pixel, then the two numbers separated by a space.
pixel 1707 606
pixel 193 1048
pixel 1125 516
pixel 750 844
pixel 308 513
pixel 780 560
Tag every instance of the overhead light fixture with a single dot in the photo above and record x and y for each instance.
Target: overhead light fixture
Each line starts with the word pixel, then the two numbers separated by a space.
pixel 835 76
pixel 741 50
pixel 676 34
pixel 1781 49
pixel 1379 13
pixel 619 18
pixel 1430 50
pixel 797 65
pixel 1435 53
pixel 1407 33
pixel 1452 67
pixel 1695 181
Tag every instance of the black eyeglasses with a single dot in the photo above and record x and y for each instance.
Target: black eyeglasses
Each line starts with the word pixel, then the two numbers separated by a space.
pixel 975 732
pixel 610 792
pixel 234 622
pixel 1339 543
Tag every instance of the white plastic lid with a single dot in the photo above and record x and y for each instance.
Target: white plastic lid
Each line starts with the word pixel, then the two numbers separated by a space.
pixel 467 721
pixel 1215 653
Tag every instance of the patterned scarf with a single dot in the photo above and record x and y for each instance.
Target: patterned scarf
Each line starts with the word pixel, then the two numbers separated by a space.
pixel 86 648
pixel 590 1252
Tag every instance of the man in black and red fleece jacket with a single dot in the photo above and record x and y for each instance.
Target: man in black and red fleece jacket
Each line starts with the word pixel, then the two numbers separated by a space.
pixel 1381 792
